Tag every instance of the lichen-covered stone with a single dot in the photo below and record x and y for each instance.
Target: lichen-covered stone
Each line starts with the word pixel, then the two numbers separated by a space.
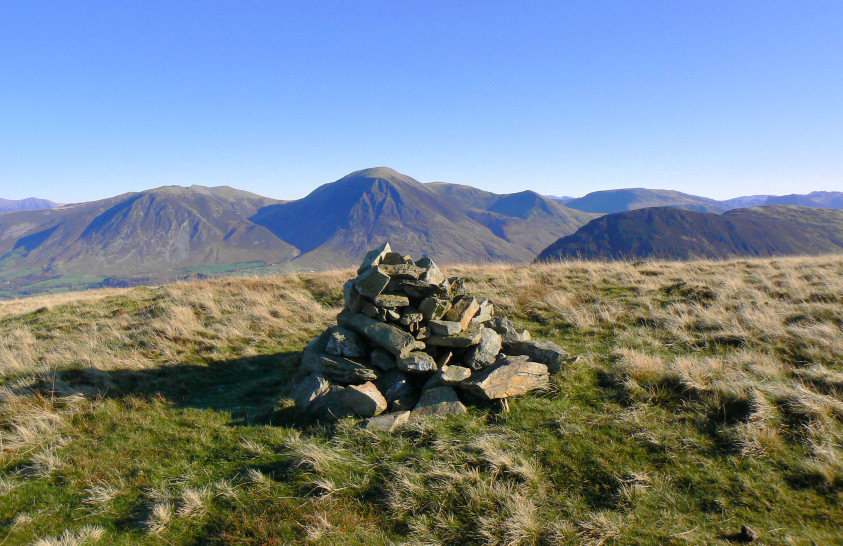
pixel 391 301
pixel 433 308
pixel 344 342
pixel 345 371
pixel 416 362
pixel 463 339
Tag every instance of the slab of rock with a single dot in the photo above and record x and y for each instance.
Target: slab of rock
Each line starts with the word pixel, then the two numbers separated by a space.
pixel 444 327
pixel 371 282
pixel 486 352
pixel 448 375
pixel 309 389
pixel 416 362
pixel 546 352
pixel 344 342
pixel 463 310
pixel 485 313
pixel 330 406
pixel 507 377
pixel 394 258
pixel 386 336
pixel 416 288
pixel 463 339
pixel 364 400
pixel 343 370
pixel 374 257
pixel 351 297
pixel 391 301
pixel 432 274
pixel 392 315
pixel 438 402
pixel 401 271
pixel 433 308
pixel 388 422
pixel 443 359
pixel 506 329
pixel 382 360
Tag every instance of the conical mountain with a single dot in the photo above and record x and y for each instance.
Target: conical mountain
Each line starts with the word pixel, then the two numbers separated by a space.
pixel 338 222
pixel 162 229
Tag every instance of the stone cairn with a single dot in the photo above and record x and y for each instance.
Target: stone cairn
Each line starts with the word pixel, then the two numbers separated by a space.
pixel 411 343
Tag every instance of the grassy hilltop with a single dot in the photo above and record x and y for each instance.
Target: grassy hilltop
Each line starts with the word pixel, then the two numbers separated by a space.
pixel 708 395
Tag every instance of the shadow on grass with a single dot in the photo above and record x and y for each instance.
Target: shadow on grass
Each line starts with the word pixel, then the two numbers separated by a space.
pixel 248 388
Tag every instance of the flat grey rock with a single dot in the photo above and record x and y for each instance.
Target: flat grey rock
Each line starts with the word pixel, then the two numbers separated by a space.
pixel 438 402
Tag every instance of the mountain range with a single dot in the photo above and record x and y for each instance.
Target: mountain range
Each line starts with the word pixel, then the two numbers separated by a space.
pixel 620 200
pixel 671 233
pixel 30 203
pixel 172 232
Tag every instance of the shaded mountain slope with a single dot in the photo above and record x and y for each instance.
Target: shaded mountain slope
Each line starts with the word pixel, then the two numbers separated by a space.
pixel 526 219
pixel 821 199
pixel 338 222
pixel 610 201
pixel 670 233
pixel 142 232
pixel 30 203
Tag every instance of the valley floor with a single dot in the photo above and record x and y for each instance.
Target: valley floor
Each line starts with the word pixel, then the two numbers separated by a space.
pixel 708 395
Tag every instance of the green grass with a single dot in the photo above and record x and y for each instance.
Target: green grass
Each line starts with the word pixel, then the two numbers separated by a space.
pixel 170 402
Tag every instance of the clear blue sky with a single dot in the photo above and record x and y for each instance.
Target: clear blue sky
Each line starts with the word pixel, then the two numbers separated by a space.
pixel 712 98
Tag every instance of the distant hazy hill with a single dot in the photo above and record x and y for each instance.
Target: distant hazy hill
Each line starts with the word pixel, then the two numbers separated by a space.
pixel 160 229
pixel 30 203
pixel 822 199
pixel 610 201
pixel 745 201
pixel 671 233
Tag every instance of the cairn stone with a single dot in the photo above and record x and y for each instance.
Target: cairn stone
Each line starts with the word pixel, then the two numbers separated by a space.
pixel 462 339
pixel 444 327
pixel 365 400
pixel 485 313
pixel 510 376
pixel 343 370
pixel 411 316
pixel 417 362
pixel 393 258
pixel 432 274
pixel 448 375
pixel 351 297
pixel 394 385
pixel 486 352
pixel 371 282
pixel 343 342
pixel 388 422
pixel 388 337
pixel 437 402
pixel 506 329
pixel 374 257
pixel 391 301
pixel 401 271
pixel 434 308
pixel 309 389
pixel 463 311
pixel 546 352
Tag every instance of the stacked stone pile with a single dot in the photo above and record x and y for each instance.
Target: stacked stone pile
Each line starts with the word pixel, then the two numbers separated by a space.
pixel 412 343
